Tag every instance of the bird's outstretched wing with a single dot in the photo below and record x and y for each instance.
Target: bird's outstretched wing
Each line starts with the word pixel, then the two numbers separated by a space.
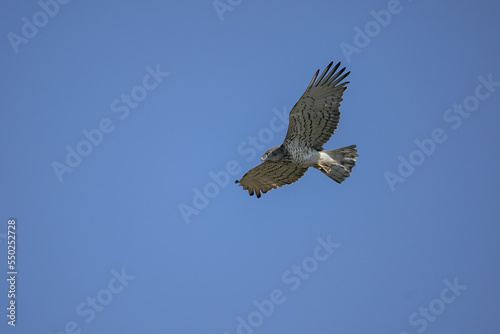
pixel 315 117
pixel 270 175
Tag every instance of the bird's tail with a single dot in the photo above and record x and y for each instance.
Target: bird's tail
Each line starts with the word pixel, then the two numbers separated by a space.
pixel 344 160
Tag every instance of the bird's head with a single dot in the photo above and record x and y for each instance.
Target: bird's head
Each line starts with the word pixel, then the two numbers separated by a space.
pixel 272 155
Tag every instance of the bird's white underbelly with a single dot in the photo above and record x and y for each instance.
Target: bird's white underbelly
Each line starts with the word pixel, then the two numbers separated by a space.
pixel 325 160
pixel 305 156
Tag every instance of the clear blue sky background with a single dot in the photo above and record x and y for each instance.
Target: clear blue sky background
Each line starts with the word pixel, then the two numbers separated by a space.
pixel 118 212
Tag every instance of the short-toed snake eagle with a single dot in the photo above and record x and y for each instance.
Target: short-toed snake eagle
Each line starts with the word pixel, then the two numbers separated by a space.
pixel 312 122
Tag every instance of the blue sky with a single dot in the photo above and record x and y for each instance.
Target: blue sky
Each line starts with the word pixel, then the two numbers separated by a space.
pixel 123 127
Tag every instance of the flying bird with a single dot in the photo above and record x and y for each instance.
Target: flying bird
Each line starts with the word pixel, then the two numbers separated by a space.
pixel 312 122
